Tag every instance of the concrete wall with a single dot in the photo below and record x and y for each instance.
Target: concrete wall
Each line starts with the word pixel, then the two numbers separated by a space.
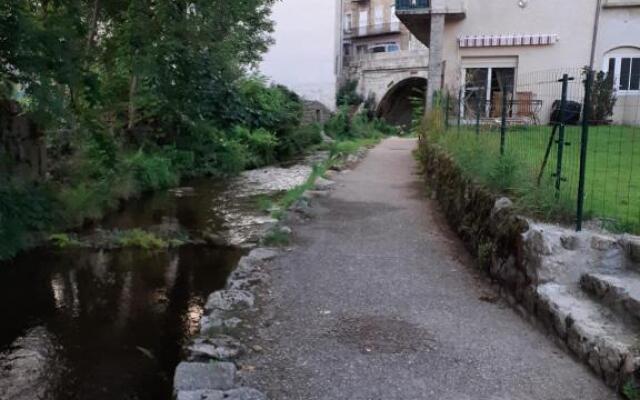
pixel 569 19
pixel 620 35
pixel 378 73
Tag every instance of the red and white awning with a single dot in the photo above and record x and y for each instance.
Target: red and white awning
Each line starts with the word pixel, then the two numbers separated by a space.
pixel 538 39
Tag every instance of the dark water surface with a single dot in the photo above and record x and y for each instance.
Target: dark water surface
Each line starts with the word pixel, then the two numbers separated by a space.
pixel 87 324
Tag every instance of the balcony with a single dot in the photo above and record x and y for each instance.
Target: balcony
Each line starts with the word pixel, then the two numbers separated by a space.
pixel 372 30
pixel 396 60
pixel 411 5
pixel 416 14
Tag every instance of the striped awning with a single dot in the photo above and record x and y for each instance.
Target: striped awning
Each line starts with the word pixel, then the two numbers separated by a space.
pixel 538 39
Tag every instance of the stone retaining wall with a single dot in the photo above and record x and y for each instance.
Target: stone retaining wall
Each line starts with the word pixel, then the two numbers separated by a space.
pixel 543 271
pixel 488 226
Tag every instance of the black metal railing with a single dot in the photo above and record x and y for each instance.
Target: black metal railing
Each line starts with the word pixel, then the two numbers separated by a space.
pixel 402 5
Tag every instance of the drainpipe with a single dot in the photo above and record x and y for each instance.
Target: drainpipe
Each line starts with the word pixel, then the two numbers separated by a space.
pixel 436 43
pixel 594 40
pixel 339 44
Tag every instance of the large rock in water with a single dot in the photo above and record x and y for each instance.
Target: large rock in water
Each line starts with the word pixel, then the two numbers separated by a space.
pixel 29 369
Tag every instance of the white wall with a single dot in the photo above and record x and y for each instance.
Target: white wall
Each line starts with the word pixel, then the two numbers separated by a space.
pixel 571 20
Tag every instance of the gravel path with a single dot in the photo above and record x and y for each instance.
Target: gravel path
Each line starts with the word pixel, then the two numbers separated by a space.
pixel 378 300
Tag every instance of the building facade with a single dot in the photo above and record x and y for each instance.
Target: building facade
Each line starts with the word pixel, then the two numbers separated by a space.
pixel 479 48
pixel 375 49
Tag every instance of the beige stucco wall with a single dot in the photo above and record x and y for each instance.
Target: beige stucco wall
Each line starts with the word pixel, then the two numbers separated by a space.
pixel 620 35
pixel 569 19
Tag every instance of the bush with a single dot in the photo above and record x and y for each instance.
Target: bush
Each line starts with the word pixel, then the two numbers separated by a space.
pixel 339 125
pixel 152 170
pixel 299 140
pixel 603 98
pixel 24 209
pixel 347 94
pixel 261 145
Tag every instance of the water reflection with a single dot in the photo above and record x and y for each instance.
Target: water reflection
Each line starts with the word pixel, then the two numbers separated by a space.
pixel 103 325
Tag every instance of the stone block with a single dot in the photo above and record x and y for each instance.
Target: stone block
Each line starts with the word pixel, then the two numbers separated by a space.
pixel 230 299
pixel 602 243
pixel 193 376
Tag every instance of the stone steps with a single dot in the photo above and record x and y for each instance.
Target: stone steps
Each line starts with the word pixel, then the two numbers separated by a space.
pixel 593 332
pixel 619 291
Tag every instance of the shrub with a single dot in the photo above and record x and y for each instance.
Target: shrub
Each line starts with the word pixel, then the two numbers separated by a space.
pixel 140 238
pixel 24 209
pixel 152 170
pixel 261 145
pixel 347 94
pixel 339 125
pixel 302 138
pixel 603 98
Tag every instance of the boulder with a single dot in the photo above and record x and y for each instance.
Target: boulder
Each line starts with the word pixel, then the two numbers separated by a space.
pixel 233 394
pixel 222 347
pixel 230 299
pixel 602 243
pixel 192 376
pixel 324 184
pixel 216 322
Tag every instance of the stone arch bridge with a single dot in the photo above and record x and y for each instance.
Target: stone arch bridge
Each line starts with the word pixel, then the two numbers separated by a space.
pixel 393 79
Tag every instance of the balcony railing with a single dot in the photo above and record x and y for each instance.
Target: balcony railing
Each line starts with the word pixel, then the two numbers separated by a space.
pixel 373 30
pixel 405 5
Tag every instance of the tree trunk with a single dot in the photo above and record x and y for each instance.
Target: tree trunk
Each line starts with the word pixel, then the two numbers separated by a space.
pixel 132 107
pixel 94 24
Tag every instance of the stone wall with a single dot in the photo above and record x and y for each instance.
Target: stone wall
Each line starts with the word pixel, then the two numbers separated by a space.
pixel 582 288
pixel 315 112
pixel 22 147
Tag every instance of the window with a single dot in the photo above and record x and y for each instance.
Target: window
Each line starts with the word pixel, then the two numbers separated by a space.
pixel 388 47
pixel 484 88
pixel 626 72
pixel 348 22
pixel 379 15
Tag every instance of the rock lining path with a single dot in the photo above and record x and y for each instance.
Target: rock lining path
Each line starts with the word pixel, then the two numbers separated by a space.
pixel 379 300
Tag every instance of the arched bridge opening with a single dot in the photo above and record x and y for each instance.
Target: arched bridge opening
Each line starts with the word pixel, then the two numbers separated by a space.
pixel 396 107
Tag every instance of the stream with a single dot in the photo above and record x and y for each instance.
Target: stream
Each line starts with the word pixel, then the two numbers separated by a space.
pixel 111 324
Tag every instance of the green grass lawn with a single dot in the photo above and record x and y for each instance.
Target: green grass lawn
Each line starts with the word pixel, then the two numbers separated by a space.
pixel 612 176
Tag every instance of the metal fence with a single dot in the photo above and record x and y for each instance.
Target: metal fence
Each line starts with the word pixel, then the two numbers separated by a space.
pixel 566 139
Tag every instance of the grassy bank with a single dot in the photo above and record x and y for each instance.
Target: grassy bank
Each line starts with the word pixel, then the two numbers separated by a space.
pixel 338 152
pixel 613 158
pixel 103 172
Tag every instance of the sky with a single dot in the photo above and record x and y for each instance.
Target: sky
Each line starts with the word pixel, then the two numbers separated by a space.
pixel 302 57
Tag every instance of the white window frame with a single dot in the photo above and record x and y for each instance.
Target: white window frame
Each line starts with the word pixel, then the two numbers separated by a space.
pixel 378 15
pixel 618 70
pixel 363 21
pixel 348 22
pixel 489 64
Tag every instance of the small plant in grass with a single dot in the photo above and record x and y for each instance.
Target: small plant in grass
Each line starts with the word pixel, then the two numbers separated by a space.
pixel 140 238
pixel 631 391
pixel 64 240
pixel 277 237
pixel 264 203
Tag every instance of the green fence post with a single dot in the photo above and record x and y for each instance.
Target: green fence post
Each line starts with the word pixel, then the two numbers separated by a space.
pixel 584 141
pixel 459 107
pixel 446 112
pixel 478 113
pixel 503 122
pixel 563 105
